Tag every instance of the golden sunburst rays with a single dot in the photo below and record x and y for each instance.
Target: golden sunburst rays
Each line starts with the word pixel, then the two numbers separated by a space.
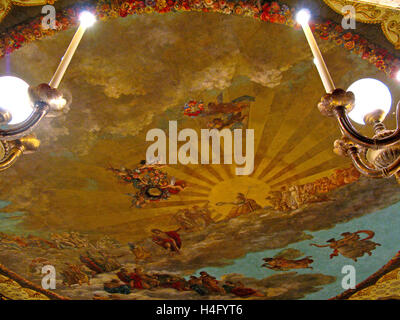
pixel 293 139
pixel 310 153
pixel 323 169
pixel 292 145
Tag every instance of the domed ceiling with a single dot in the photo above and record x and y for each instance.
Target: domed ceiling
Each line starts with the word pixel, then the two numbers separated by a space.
pixel 86 204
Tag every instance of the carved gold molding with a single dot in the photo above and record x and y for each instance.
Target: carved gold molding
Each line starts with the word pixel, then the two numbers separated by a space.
pixel 374 12
pixel 6 5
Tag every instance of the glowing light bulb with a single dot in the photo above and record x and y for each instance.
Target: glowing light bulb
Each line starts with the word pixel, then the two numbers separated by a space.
pixel 398 76
pixel 370 95
pixel 303 16
pixel 87 19
pixel 15 99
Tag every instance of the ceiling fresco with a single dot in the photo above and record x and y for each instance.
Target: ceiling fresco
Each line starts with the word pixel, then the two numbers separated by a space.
pixel 89 204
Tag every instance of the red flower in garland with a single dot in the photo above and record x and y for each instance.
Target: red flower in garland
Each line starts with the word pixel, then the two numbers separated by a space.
pixel 282 19
pixel 275 7
pixel 123 13
pixel 339 29
pixel 271 11
pixel 380 64
pixel 274 18
pixel 165 10
pixel 264 16
pixel 266 7
pixel 324 36
pixel 349 45
pixel 19 38
pixel 365 55
pixel 339 41
pixel 347 36
pixel 381 52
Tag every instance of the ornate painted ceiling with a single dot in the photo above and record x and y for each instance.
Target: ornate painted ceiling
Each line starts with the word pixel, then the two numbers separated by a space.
pixel 82 203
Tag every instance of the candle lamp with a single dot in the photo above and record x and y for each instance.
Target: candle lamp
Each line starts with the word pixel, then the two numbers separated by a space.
pixel 22 107
pixel 367 102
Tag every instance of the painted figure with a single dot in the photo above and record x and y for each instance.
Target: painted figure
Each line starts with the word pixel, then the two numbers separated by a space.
pixel 152 184
pixel 139 252
pixel 221 114
pixel 243 205
pixel 194 218
pixel 169 240
pixel 351 245
pixel 282 264
pixel 211 283
pixel 238 289
pixel 74 274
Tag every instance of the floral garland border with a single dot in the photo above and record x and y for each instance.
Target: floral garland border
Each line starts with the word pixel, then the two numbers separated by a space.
pixel 271 12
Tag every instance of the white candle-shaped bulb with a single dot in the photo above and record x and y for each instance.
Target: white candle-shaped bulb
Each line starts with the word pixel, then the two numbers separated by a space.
pixel 302 17
pixel 87 20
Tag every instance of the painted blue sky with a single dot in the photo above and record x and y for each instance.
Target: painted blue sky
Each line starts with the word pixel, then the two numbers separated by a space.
pixel 385 223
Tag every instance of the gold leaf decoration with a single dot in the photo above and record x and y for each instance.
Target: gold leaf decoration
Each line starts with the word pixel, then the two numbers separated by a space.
pixel 373 13
pixel 6 5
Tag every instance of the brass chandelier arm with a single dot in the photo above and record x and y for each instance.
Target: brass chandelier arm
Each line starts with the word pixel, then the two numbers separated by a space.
pixel 15 132
pixel 370 172
pixel 14 154
pixel 349 131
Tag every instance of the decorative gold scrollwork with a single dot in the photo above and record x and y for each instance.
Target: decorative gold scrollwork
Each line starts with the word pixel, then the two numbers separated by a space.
pixel 6 5
pixel 373 13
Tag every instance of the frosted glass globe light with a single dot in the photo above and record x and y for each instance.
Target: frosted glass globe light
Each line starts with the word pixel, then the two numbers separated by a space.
pixel 14 98
pixel 370 95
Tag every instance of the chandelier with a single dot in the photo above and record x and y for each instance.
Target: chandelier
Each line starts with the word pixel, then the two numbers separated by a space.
pixel 366 101
pixel 22 107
